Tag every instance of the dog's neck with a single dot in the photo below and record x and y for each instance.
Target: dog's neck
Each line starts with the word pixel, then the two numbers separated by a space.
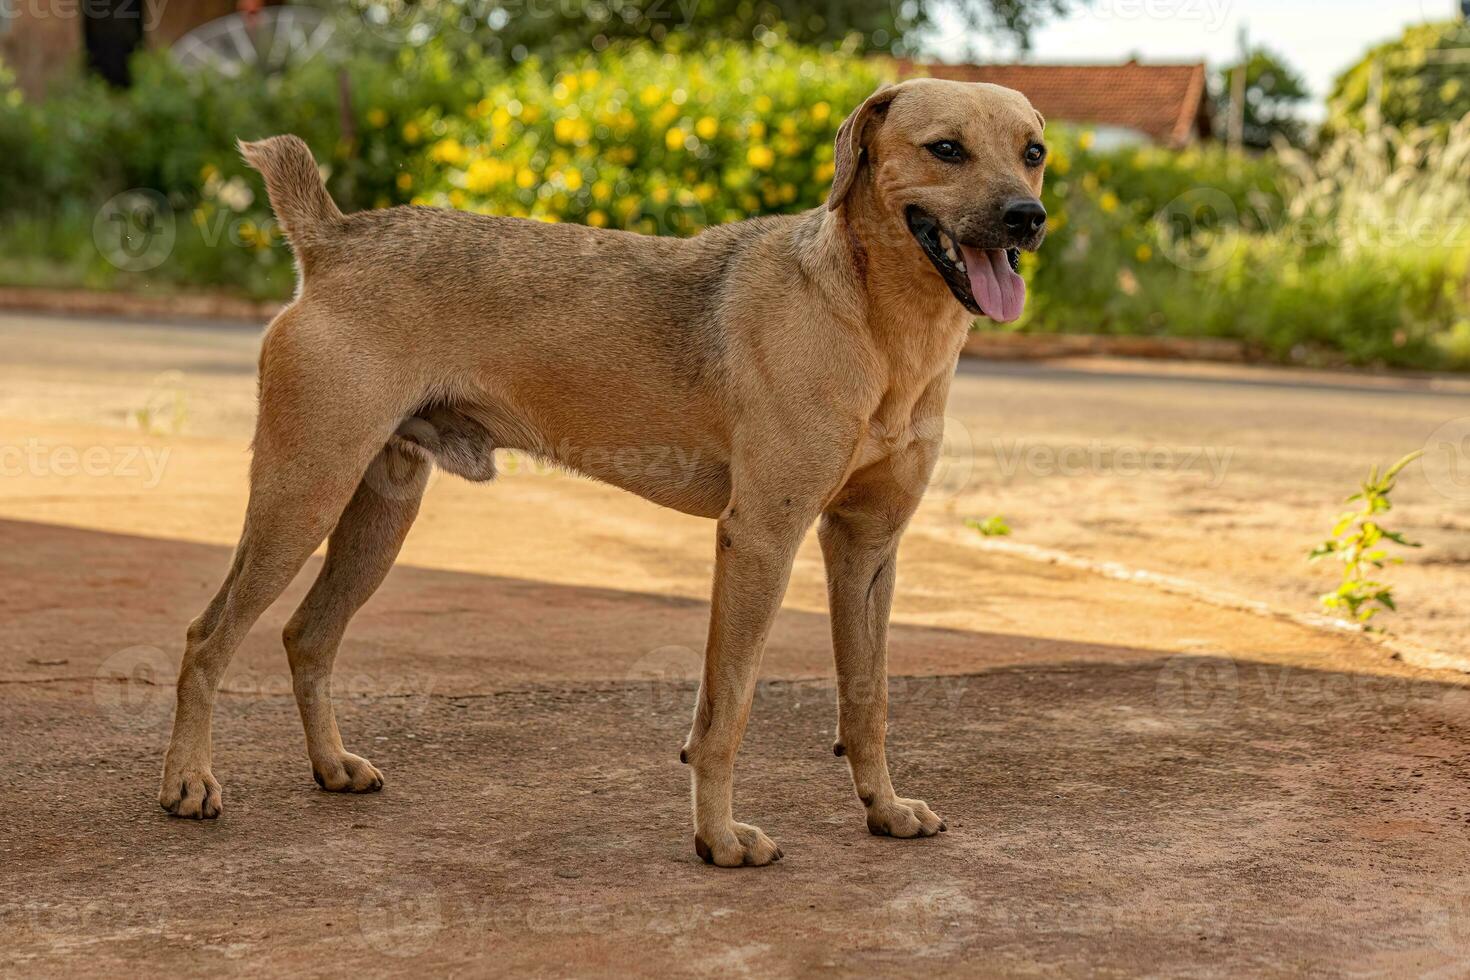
pixel 882 283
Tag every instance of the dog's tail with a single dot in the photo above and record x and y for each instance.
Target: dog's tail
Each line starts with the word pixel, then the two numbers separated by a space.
pixel 298 194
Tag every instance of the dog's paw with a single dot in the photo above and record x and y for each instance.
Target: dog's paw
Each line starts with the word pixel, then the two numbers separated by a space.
pixel 739 845
pixel 898 817
pixel 347 773
pixel 192 793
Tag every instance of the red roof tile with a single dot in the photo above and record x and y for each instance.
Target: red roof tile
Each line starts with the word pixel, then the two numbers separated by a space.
pixel 1166 102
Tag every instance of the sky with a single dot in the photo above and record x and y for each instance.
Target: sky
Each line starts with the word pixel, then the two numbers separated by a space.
pixel 1318 37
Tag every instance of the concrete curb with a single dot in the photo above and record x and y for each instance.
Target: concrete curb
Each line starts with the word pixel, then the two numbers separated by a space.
pixel 83 302
pixel 990 344
pixel 998 345
pixel 1406 650
pixel 1110 352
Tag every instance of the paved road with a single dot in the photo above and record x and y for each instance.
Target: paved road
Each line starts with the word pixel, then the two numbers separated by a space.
pixel 1135 782
pixel 1224 475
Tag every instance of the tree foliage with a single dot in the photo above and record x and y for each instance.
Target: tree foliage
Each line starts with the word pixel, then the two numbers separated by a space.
pixel 555 29
pixel 1273 93
pixel 1425 80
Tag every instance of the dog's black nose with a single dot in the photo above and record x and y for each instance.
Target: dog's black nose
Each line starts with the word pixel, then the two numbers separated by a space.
pixel 1024 217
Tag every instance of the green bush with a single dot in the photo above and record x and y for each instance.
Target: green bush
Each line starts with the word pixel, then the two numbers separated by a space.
pixel 650 141
pixel 1282 250
pixel 1296 257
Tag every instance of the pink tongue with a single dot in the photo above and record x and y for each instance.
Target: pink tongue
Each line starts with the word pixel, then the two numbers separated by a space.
pixel 1000 293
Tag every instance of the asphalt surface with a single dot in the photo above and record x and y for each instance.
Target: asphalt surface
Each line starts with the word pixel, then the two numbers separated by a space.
pixel 1136 782
pixel 1224 475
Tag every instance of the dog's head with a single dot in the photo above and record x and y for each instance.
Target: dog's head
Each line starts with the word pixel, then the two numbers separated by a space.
pixel 955 167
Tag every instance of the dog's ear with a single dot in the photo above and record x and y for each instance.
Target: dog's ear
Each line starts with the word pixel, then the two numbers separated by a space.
pixel 852 142
pixel 1040 119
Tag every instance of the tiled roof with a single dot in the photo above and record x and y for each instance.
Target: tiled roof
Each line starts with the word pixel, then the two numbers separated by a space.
pixel 1166 102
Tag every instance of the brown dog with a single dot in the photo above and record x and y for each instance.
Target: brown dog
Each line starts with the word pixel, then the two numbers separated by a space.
pixel 802 362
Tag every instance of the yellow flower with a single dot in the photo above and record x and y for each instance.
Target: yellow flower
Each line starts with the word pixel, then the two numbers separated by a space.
pixel 1085 140
pixel 660 195
pixel 707 128
pixel 825 171
pixel 377 118
pixel 449 151
pixel 456 198
pixel 821 111
pixel 760 157
pixel 757 130
pixel 674 138
pixel 601 190
pixel 1108 202
pixel 411 132
pixel 1144 252
pixel 481 176
pixel 526 178
pixel 572 179
pixel 763 103
pixel 651 95
pixel 705 192
pixel 405 181
pixel 597 219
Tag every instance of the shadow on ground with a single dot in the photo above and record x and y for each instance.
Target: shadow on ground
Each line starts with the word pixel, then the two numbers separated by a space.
pixel 1111 809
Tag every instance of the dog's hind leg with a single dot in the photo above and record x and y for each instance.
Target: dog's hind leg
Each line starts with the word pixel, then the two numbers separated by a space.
pixel 318 430
pixel 360 552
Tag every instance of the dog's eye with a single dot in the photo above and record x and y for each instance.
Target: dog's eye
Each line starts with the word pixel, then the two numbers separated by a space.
pixel 947 150
pixel 1035 153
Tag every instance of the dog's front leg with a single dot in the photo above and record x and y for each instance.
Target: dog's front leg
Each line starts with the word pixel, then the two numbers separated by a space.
pixel 859 535
pixel 755 545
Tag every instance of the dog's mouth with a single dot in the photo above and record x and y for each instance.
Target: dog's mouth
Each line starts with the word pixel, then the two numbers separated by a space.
pixel 986 281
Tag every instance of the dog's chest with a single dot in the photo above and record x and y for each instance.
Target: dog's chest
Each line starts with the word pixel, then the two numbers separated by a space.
pixel 893 430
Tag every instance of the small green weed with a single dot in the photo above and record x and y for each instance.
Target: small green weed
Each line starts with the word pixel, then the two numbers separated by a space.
pixel 1357 541
pixel 994 526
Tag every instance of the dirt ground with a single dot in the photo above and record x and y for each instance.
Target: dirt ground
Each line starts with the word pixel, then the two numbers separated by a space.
pixel 1135 782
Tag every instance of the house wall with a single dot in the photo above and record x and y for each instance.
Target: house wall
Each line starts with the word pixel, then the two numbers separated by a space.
pixel 38 40
pixel 172 19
